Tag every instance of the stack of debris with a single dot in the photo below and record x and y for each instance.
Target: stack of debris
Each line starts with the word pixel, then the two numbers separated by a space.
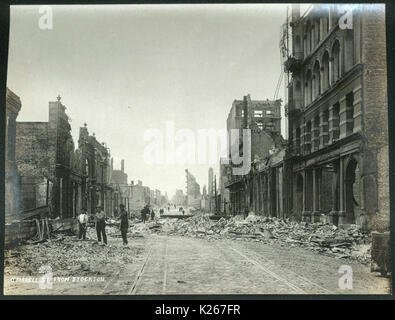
pixel 345 242
pixel 67 255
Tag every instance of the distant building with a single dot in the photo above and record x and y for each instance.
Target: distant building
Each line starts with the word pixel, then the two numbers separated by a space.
pixel 122 191
pixel 193 197
pixel 225 176
pixel 138 195
pixel 179 198
pixel 210 194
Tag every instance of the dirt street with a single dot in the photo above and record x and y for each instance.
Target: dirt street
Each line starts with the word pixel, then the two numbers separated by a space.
pixel 162 264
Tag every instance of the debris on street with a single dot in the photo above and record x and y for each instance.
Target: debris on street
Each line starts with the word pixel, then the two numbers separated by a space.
pixel 66 255
pixel 346 242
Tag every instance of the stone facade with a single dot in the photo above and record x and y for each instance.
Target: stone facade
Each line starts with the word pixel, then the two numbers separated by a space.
pixel 337 102
pixel 97 189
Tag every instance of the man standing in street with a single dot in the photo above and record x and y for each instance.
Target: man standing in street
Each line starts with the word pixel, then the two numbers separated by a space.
pixel 144 213
pixel 82 222
pixel 101 225
pixel 124 223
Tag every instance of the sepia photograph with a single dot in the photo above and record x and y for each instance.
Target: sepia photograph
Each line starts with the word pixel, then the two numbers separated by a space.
pixel 197 149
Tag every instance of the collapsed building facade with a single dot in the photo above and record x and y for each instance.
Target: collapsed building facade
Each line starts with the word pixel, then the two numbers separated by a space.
pixel 12 178
pixel 337 107
pixel 49 167
pixel 47 173
pixel 122 191
pixel 193 195
pixel 98 190
pixel 259 189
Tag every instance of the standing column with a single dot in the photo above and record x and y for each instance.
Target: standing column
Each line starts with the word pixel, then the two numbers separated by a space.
pixel 304 212
pixel 303 139
pixel 316 194
pixel 357 115
pixel 333 124
pixel 345 119
pixel 342 211
pixel 324 132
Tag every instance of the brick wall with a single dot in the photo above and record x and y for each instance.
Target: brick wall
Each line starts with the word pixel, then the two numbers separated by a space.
pixel 374 75
pixel 32 149
pixel 35 158
pixel 375 120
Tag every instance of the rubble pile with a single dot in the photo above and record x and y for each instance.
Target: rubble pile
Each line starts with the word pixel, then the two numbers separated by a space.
pixel 345 242
pixel 67 255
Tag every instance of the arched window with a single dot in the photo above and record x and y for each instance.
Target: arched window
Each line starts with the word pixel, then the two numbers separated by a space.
pixel 297 140
pixel 298 52
pixel 308 90
pixel 333 15
pixel 297 94
pixel 308 38
pixel 325 71
pixel 325 20
pixel 87 168
pixel 317 30
pixel 311 42
pixel 348 49
pixel 316 80
pixel 335 61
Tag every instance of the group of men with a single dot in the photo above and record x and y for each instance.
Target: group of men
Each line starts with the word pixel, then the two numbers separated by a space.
pixel 146 213
pixel 100 224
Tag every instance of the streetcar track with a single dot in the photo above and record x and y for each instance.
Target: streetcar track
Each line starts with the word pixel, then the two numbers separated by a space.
pixel 112 279
pixel 270 262
pixel 269 272
pixel 228 257
pixel 137 280
pixel 165 270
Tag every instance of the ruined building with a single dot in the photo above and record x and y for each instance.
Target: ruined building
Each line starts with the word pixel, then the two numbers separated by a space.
pixel 56 175
pixel 337 102
pixel 263 119
pixel 225 174
pixel 138 195
pixel 179 198
pixel 12 180
pixel 193 196
pixel 97 190
pixel 122 192
pixel 49 167
pixel 210 193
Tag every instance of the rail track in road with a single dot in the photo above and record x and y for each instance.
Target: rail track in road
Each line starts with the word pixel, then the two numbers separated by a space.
pixel 246 268
pixel 137 280
pixel 300 280
pixel 298 284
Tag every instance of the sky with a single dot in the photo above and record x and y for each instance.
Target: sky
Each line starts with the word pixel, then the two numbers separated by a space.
pixel 126 69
